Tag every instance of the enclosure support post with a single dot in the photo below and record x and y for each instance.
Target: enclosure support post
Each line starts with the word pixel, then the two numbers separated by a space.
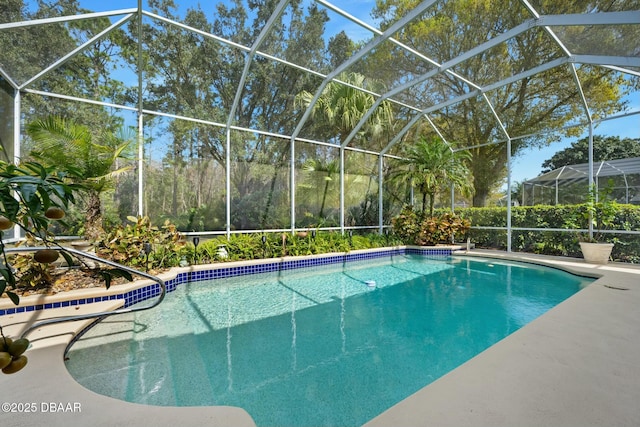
pixel 227 165
pixel 140 164
pixel 504 130
pixel 626 186
pixel 342 190
pixel 590 174
pixel 509 195
pixel 380 195
pixel 140 117
pixel 16 141
pixel 16 127
pixel 292 190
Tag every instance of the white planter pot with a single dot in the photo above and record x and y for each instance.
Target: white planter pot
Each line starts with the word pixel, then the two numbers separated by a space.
pixel 596 253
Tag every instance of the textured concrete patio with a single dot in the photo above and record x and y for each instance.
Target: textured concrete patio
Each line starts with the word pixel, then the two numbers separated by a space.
pixel 577 365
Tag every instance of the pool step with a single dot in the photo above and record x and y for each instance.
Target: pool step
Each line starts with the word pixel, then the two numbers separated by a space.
pixel 62 333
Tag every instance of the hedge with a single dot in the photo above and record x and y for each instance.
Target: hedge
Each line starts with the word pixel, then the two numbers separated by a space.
pixel 627 217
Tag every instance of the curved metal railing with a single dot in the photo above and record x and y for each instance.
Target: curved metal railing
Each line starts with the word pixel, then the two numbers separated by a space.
pixel 95 258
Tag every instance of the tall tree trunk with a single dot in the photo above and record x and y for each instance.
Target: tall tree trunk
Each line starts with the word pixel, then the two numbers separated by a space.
pixel 480 197
pixel 432 199
pixel 272 187
pixel 174 196
pixel 93 230
pixel 324 198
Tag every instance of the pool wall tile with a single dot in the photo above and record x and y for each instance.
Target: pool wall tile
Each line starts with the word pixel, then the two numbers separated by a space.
pixel 220 271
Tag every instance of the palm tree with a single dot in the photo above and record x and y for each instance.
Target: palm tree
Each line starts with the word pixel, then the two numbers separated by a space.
pixel 339 109
pixel 72 147
pixel 341 106
pixel 432 166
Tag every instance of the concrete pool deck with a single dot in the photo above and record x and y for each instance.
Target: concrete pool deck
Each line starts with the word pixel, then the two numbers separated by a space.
pixel 577 365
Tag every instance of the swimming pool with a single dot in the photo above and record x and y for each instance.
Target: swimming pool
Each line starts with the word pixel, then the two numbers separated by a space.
pixel 316 346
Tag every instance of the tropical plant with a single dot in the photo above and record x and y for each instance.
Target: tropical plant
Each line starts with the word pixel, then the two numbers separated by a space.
pixel 31 196
pixel 341 106
pixel 600 212
pixel 416 229
pixel 432 166
pixel 93 159
pixel 141 244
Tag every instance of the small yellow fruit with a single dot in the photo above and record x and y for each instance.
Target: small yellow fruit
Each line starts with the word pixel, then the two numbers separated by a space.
pixel 15 365
pixel 54 212
pixel 5 359
pixel 5 223
pixel 18 347
pixel 46 256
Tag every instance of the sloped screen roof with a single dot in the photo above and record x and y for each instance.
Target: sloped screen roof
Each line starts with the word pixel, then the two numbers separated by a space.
pixel 245 93
pixel 580 172
pixel 485 70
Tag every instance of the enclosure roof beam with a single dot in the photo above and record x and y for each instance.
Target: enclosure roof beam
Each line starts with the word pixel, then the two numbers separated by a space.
pixel 401 134
pixel 493 111
pixel 196 31
pixel 247 63
pixel 8 79
pixel 78 99
pixel 603 18
pixel 547 66
pixel 68 18
pixel 622 70
pixel 549 31
pixel 77 50
pixel 415 119
pixel 440 68
pixel 359 55
pixel 620 61
pixel 629 17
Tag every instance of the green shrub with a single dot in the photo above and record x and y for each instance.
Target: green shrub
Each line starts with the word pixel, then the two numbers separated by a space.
pixel 125 244
pixel 626 217
pixel 275 245
pixel 413 229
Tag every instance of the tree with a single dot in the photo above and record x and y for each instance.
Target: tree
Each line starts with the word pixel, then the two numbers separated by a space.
pixel 195 76
pixel 92 159
pixel 338 110
pixel 432 166
pixel 87 74
pixel 340 48
pixel 329 169
pixel 341 106
pixel 542 102
pixel 604 148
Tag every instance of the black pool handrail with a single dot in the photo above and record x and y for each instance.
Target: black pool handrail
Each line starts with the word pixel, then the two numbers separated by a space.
pixel 62 319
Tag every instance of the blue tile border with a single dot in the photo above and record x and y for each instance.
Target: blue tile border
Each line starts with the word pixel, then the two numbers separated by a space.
pixel 220 272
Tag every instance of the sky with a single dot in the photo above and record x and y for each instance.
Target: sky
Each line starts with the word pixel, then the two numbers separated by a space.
pixel 529 164
pixel 525 166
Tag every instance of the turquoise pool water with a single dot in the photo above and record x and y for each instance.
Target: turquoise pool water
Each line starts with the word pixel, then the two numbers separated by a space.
pixel 318 346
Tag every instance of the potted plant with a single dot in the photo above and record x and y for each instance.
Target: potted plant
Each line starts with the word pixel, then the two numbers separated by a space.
pixel 601 215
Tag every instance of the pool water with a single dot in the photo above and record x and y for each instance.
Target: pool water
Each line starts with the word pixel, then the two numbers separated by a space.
pixel 319 346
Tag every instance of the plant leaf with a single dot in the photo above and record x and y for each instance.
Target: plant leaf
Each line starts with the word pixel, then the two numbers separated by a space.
pixel 67 258
pixel 13 297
